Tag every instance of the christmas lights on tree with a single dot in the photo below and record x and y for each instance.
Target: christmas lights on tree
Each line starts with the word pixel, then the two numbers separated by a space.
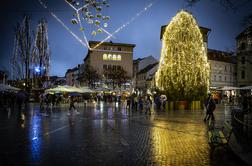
pixel 183 70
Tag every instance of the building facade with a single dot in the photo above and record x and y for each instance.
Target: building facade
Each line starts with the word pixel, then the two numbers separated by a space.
pixel 108 55
pixel 244 57
pixel 145 77
pixel 223 69
pixel 138 65
pixel 72 76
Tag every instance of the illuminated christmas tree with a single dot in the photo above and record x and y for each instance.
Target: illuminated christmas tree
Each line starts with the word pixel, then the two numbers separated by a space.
pixel 183 70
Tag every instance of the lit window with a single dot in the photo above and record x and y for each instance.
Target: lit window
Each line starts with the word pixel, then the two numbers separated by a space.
pixel 119 57
pixel 105 57
pixel 109 56
pixel 114 57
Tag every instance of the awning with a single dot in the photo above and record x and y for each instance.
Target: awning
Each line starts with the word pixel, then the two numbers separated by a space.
pixel 236 88
pixel 4 87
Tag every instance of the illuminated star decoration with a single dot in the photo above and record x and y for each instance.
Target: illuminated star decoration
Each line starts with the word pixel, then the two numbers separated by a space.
pixel 183 71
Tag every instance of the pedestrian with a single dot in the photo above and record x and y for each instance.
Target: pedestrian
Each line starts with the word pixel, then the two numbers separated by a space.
pixel 210 107
pixel 135 103
pixel 41 101
pixel 157 102
pixel 163 102
pixel 20 96
pixel 72 108
pixel 148 104
pixel 245 103
pixel 128 103
pixel 140 102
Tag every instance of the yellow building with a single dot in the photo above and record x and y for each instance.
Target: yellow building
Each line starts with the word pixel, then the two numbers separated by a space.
pixel 109 55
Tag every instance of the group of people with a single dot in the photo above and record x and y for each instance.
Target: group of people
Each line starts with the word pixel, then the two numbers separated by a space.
pixel 12 100
pixel 139 103
pixel 47 100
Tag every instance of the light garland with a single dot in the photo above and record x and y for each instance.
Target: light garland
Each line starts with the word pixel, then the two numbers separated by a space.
pixel 183 70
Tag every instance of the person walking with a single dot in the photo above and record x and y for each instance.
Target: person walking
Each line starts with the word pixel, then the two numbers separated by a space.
pixel 210 107
pixel 72 107
pixel 148 104
pixel 128 102
pixel 135 103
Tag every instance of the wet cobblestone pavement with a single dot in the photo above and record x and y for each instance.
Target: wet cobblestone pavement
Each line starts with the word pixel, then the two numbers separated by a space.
pixel 106 134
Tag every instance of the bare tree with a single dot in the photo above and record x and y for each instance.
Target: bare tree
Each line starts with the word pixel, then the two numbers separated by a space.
pixel 42 46
pixel 28 53
pixel 89 75
pixel 115 76
pixel 41 53
pixel 22 50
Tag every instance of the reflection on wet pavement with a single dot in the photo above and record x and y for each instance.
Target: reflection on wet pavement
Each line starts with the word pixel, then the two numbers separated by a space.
pixel 108 134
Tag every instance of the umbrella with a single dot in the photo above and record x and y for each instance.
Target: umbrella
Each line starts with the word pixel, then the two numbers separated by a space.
pixel 57 89
pixel 102 89
pixel 245 87
pixel 65 88
pixel 163 97
pixel 229 88
pixel 4 87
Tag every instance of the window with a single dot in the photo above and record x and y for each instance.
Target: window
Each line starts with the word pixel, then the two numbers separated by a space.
pixel 214 77
pixel 220 78
pixel 225 68
pixel 119 49
pixel 105 57
pixel 225 78
pixel 242 74
pixel 109 56
pixel 243 46
pixel 112 57
pixel 243 60
pixel 114 67
pixel 109 66
pixel 230 68
pixel 105 67
pixel 119 57
pixel 118 67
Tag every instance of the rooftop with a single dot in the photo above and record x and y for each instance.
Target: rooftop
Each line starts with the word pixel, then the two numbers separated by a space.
pixel 111 43
pixel 147 68
pixel 245 33
pixel 222 56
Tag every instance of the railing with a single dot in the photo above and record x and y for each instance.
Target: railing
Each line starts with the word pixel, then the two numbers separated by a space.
pixel 241 122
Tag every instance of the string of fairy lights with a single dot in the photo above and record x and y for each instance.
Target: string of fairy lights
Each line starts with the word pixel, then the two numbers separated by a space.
pixel 183 70
pixel 88 17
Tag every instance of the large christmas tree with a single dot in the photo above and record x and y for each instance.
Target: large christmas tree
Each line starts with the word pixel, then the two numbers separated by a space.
pixel 183 70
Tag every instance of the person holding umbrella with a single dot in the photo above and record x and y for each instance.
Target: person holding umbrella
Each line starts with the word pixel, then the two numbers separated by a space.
pixel 72 106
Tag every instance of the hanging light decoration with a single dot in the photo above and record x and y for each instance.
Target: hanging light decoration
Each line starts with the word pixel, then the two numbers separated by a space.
pixel 183 71
pixel 90 12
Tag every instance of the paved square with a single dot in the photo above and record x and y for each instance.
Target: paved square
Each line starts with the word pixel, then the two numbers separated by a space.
pixel 107 134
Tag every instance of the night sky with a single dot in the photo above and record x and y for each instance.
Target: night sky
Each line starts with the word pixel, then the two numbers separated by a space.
pixel 67 52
